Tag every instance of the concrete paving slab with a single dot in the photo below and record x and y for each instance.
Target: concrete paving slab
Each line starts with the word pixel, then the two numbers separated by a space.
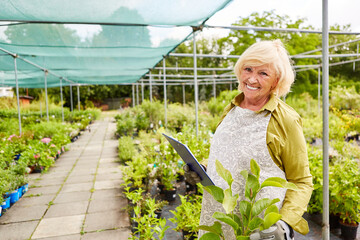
pixel 72 197
pixel 20 230
pixel 106 220
pixel 107 193
pixel 57 174
pixel 86 165
pixel 23 213
pixel 83 171
pixel 52 227
pixel 44 190
pixel 99 205
pixel 107 160
pixel 49 182
pixel 107 184
pixel 109 165
pixel 26 201
pixel 80 179
pixel 109 170
pixel 118 234
pixel 76 187
pixel 67 209
pixel 66 237
pixel 62 168
pixel 108 176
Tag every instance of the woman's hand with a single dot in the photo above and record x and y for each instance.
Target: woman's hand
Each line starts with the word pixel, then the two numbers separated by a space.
pixel 190 176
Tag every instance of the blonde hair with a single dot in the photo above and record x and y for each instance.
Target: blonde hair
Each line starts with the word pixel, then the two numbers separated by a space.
pixel 274 54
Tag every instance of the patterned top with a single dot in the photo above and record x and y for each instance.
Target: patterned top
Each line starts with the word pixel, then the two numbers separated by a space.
pixel 240 137
pixel 287 147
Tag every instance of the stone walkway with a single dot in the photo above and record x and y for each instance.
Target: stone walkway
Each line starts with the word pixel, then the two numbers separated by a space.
pixel 78 198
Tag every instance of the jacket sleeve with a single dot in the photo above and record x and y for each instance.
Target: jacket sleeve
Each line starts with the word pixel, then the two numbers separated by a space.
pixel 296 166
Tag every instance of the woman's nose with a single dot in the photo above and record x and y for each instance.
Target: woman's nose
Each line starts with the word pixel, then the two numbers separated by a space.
pixel 252 79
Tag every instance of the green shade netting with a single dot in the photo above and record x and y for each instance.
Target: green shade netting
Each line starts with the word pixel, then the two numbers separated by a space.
pixel 106 54
pixel 154 12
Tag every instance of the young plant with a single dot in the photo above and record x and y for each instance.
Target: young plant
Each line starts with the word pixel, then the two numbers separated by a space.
pixel 249 218
pixel 187 214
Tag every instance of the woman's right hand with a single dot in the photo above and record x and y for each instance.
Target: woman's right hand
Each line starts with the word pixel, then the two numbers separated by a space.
pixel 191 176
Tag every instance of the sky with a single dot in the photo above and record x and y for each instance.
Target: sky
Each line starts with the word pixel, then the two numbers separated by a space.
pixel 340 11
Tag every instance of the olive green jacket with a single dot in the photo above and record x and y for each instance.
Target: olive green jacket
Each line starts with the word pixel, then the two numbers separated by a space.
pixel 287 148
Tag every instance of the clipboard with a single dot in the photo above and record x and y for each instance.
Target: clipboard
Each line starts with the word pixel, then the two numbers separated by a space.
pixel 190 159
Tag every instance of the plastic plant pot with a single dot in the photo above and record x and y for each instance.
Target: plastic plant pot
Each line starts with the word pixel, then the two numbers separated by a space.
pixel 25 188
pixel 14 197
pixel 6 203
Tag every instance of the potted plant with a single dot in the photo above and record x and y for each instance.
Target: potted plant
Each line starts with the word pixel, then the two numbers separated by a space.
pixel 187 216
pixel 345 196
pixel 248 220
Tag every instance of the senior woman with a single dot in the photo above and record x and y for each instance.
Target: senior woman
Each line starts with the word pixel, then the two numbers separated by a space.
pixel 258 125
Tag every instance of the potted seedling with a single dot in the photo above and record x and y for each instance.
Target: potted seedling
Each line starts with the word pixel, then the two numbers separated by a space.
pixel 187 216
pixel 345 196
pixel 248 220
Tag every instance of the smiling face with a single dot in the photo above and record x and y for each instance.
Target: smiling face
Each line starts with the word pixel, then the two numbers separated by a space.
pixel 257 83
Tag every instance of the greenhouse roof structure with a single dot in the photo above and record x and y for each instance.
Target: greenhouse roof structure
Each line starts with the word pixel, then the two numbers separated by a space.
pixel 38 39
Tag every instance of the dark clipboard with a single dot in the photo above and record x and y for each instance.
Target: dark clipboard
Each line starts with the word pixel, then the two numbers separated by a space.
pixel 190 159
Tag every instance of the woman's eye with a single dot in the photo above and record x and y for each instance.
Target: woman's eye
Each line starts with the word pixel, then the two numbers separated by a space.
pixel 264 74
pixel 248 69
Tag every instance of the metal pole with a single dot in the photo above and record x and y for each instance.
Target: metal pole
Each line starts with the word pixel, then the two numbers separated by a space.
pixel 78 96
pixel 325 90
pixel 230 87
pixel 214 88
pixel 319 90
pixel 40 100
pixel 183 90
pixel 61 99
pixel 71 98
pixel 46 96
pixel 133 95
pixel 150 86
pixel 196 86
pixel 357 51
pixel 137 93
pixel 142 91
pixel 17 95
pixel 165 96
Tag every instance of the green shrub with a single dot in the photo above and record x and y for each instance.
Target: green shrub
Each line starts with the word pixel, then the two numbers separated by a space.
pixel 126 149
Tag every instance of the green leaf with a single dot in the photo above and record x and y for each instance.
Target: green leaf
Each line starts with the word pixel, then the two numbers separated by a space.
pixel 275 200
pixel 210 236
pixel 260 206
pixel 245 174
pixel 216 192
pixel 255 169
pixel 279 182
pixel 270 220
pixel 252 187
pixel 255 223
pixel 244 208
pixel 230 201
pixel 226 219
pixel 224 173
pixel 267 183
pixel 238 221
pixel 271 208
pixel 215 228
pixel 242 238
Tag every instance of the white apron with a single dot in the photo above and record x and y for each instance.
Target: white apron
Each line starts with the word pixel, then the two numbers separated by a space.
pixel 240 137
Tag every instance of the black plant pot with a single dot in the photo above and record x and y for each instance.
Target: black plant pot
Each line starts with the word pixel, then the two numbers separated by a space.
pixel 180 178
pixel 188 235
pixel 334 221
pixel 158 213
pixel 170 195
pixel 348 232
